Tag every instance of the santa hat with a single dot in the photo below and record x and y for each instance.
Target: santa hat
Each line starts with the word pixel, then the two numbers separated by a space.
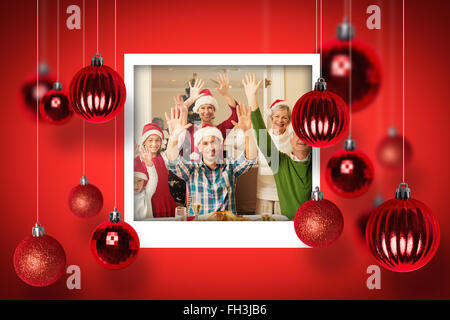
pixel 140 171
pixel 149 129
pixel 277 103
pixel 207 131
pixel 207 98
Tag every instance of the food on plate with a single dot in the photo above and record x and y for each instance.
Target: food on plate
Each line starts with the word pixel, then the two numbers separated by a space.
pixel 225 216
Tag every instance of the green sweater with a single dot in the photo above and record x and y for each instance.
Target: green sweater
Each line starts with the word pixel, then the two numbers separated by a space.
pixel 293 178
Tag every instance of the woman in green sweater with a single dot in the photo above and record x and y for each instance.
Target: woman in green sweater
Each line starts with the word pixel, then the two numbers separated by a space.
pixel 292 172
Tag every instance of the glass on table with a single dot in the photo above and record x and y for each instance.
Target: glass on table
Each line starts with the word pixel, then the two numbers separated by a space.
pixel 196 208
pixel 181 213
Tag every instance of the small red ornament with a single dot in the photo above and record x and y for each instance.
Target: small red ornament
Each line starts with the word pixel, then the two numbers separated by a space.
pixel 390 150
pixel 114 244
pixel 320 118
pixel 318 222
pixel 364 67
pixel 403 234
pixel 85 200
pixel 34 88
pixel 363 218
pixel 349 172
pixel 97 92
pixel 55 107
pixel 39 260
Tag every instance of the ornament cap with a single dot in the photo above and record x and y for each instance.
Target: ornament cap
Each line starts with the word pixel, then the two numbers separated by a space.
pixel 392 132
pixel 403 192
pixel 43 69
pixel 37 230
pixel 316 194
pixel 320 85
pixel 345 31
pixel 378 200
pixel 349 144
pixel 84 181
pixel 97 60
pixel 57 86
pixel 114 216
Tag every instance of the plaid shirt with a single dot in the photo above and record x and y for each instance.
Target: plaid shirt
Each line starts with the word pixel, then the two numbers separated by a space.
pixel 214 189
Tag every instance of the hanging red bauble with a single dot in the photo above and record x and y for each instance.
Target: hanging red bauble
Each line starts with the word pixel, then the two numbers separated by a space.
pixel 85 200
pixel 32 91
pixel 349 172
pixel 363 218
pixel 403 233
pixel 39 260
pixel 55 107
pixel 97 92
pixel 364 67
pixel 318 222
pixel 320 118
pixel 114 244
pixel 390 150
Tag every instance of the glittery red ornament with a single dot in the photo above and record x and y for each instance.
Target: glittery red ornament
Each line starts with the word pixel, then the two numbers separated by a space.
pixel 97 92
pixel 318 222
pixel 349 172
pixel 55 106
pixel 114 244
pixel 364 67
pixel 320 118
pixel 403 234
pixel 32 91
pixel 39 260
pixel 390 150
pixel 85 200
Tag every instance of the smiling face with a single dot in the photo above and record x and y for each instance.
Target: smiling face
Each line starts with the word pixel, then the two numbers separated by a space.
pixel 280 119
pixel 138 184
pixel 153 143
pixel 209 147
pixel 298 145
pixel 206 112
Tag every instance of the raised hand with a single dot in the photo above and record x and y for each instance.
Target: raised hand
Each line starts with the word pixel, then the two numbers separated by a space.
pixel 146 156
pixel 244 120
pixel 194 91
pixel 177 122
pixel 224 84
pixel 180 103
pixel 251 88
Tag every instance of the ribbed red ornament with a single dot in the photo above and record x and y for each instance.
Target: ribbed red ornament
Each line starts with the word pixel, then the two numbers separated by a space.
pixel 320 118
pixel 55 106
pixel 39 260
pixel 318 222
pixel 349 172
pixel 403 234
pixel 97 92
pixel 364 66
pixel 114 244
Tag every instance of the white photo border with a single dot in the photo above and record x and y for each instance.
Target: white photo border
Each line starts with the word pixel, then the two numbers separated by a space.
pixel 208 234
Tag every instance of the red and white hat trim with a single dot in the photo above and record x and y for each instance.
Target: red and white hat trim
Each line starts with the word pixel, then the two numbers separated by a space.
pixel 277 103
pixel 207 131
pixel 149 129
pixel 206 99
pixel 140 171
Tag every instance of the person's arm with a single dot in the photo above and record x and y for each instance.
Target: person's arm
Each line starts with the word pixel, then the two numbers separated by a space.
pixel 245 124
pixel 263 138
pixel 194 92
pixel 152 182
pixel 251 88
pixel 224 89
pixel 177 124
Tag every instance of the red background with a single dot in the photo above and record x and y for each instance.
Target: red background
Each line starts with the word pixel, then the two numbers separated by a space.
pixel 231 26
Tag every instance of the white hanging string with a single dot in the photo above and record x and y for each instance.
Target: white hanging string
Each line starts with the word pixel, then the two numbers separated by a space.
pixel 350 102
pixel 84 64
pixel 57 40
pixel 403 94
pixel 115 118
pixel 316 49
pixel 37 111
pixel 97 25
pixel 321 35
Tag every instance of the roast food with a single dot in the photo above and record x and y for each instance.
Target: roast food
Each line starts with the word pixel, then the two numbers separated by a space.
pixel 225 216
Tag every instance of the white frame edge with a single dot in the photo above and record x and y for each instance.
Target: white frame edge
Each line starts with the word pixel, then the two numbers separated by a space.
pixel 207 234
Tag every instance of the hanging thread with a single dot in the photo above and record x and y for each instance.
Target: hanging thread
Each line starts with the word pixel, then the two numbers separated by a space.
pixel 403 94
pixel 37 111
pixel 351 70
pixel 84 64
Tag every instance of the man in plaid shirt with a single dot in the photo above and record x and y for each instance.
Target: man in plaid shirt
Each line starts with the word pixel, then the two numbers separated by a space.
pixel 211 181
